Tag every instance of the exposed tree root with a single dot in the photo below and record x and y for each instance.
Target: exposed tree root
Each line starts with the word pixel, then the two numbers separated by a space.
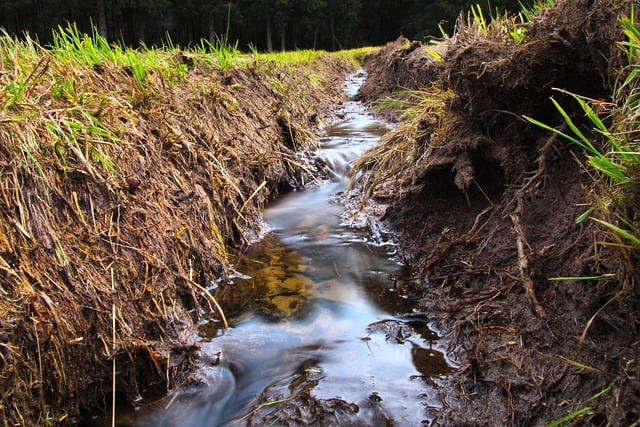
pixel 523 262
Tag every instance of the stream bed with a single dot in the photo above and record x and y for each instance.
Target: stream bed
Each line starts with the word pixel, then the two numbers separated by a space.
pixel 320 330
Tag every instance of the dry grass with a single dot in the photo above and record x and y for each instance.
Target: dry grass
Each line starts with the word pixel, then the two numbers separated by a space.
pixel 124 186
pixel 406 151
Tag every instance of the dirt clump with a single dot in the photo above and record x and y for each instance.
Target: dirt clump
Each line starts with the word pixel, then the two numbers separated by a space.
pixel 485 207
pixel 122 196
pixel 401 64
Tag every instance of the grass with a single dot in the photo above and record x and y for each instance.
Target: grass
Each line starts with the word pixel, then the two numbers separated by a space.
pixel 407 149
pixel 356 56
pixel 507 25
pixel 80 128
pixel 294 58
pixel 288 58
pixel 528 12
pixel 80 49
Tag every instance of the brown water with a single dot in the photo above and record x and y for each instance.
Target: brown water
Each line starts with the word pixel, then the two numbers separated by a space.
pixel 318 319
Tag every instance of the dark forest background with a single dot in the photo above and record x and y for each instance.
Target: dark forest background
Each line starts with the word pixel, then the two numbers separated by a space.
pixel 262 24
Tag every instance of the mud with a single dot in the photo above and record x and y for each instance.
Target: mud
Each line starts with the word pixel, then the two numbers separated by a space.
pixel 485 208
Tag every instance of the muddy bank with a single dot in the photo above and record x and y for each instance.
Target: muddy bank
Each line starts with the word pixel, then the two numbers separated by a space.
pixel 122 195
pixel 485 207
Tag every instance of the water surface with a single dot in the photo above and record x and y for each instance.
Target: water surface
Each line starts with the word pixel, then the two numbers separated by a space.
pixel 316 311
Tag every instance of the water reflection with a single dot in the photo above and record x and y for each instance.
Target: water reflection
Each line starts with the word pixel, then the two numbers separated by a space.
pixel 275 284
pixel 319 325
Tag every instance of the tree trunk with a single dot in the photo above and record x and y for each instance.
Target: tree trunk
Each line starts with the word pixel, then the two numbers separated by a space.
pixel 269 41
pixel 332 30
pixel 102 19
pixel 282 37
pixel 294 38
pixel 211 29
pixel 140 28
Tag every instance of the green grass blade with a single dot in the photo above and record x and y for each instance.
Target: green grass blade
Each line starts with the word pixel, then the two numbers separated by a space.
pixel 622 232
pixel 585 143
pixel 585 215
pixel 579 278
pixel 613 170
pixel 569 417
pixel 554 130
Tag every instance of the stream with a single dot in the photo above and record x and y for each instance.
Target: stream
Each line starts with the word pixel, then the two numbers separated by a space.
pixel 320 330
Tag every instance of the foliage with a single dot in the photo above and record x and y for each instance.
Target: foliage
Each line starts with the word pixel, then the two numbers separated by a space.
pixel 356 56
pixel 502 21
pixel 529 11
pixel 491 23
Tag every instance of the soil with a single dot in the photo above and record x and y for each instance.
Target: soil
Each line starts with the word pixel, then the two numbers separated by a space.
pixel 485 213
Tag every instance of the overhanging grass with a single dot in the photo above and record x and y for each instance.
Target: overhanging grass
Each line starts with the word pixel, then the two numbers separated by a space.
pixel 405 151
pixel 356 56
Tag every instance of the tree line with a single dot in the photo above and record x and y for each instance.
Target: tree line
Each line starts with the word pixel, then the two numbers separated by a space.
pixel 264 25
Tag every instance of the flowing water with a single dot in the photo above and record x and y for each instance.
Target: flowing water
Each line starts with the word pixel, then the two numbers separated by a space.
pixel 319 322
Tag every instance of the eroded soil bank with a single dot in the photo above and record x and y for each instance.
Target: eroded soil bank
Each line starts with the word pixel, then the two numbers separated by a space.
pixel 122 196
pixel 485 206
pixel 131 220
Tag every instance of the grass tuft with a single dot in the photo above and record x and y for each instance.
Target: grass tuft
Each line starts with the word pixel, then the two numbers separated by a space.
pixel 407 149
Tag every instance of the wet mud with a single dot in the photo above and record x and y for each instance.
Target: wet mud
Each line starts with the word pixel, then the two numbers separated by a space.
pixel 485 209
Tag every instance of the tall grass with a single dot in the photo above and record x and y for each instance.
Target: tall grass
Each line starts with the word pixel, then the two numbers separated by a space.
pixel 220 53
pixel 70 45
pixel 506 24
pixel 495 23
pixel 528 12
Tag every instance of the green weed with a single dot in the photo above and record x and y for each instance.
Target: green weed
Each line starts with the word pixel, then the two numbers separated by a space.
pixel 575 414
pixel 618 161
pixel 434 54
pixel 477 19
pixel 527 12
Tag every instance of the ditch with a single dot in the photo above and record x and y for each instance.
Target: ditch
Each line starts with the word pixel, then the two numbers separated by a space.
pixel 321 328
